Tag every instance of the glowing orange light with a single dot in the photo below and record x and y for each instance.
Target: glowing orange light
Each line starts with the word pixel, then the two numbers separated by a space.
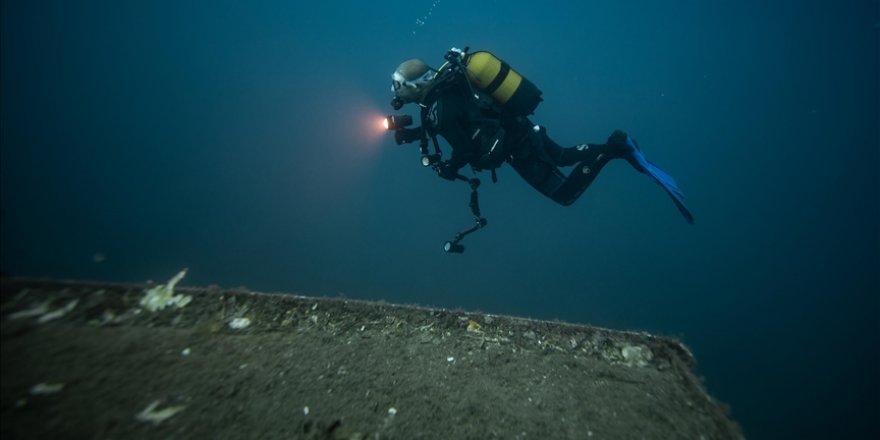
pixel 374 126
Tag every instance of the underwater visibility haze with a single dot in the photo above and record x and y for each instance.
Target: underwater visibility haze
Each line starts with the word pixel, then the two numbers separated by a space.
pixel 243 141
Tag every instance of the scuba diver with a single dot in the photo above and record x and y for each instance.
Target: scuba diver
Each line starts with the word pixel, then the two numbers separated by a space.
pixel 480 106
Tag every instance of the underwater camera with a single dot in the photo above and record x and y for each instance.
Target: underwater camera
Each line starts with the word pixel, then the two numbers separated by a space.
pixel 402 135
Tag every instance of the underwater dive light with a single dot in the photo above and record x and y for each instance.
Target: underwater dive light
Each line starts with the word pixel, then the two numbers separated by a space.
pixel 397 122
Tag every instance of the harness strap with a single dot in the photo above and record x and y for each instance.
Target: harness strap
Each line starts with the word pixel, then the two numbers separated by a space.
pixel 428 131
pixel 502 75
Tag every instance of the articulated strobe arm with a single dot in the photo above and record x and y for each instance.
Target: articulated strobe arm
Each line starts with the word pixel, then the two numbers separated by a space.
pixel 453 246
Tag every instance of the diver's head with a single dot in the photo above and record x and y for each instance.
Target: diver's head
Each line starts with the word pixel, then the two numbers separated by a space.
pixel 411 80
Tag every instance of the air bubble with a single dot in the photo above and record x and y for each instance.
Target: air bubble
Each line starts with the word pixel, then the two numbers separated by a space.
pixel 421 22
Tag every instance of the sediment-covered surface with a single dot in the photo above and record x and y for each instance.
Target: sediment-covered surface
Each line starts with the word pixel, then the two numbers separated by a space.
pixel 90 360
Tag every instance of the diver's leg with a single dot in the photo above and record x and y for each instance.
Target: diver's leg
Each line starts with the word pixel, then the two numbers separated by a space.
pixel 590 159
pixel 538 166
pixel 549 180
pixel 564 157
pixel 588 153
pixel 540 174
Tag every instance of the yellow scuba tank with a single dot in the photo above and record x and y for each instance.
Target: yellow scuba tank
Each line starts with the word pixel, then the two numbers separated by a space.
pixel 513 92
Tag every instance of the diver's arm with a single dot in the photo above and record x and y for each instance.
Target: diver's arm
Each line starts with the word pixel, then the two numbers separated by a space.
pixel 451 123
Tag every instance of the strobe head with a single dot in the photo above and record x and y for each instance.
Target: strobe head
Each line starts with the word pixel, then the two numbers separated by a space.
pixel 397 122
pixel 453 248
pixel 430 159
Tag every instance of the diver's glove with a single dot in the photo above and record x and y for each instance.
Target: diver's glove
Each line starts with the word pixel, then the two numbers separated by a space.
pixel 446 170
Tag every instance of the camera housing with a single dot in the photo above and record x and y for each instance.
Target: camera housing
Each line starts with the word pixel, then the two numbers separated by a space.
pixel 402 135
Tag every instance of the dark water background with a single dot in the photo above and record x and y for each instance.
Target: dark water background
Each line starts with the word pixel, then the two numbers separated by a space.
pixel 240 139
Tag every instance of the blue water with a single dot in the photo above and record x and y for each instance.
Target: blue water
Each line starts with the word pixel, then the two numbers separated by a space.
pixel 240 140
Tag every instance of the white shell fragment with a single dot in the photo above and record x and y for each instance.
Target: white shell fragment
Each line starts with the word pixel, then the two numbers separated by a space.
pixel 239 323
pixel 43 312
pixel 149 414
pixel 43 388
pixel 32 312
pixel 51 316
pixel 636 355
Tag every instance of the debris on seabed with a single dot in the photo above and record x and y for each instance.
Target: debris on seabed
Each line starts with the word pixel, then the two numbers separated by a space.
pixel 163 295
pixel 43 388
pixel 149 414
pixel 473 326
pixel 239 323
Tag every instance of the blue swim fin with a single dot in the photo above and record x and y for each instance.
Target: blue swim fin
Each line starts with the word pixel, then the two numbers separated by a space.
pixel 635 157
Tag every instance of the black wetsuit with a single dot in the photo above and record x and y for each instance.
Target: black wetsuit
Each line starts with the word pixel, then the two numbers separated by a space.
pixel 484 137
